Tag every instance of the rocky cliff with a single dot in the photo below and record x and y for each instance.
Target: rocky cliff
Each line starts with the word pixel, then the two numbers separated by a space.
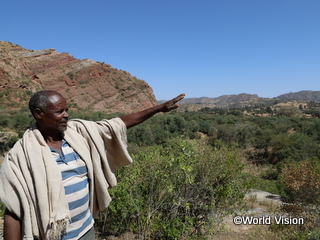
pixel 86 84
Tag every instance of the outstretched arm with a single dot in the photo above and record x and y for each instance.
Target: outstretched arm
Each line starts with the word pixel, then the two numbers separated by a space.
pixel 136 118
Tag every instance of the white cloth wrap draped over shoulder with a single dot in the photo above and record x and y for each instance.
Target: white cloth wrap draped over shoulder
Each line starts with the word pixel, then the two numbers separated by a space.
pixel 30 180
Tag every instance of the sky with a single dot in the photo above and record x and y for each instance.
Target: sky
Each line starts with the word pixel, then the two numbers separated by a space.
pixel 204 48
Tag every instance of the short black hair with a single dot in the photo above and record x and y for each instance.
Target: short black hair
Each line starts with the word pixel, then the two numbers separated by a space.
pixel 40 100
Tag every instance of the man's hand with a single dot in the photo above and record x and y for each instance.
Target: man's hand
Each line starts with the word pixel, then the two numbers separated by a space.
pixel 172 104
pixel 12 226
pixel 134 119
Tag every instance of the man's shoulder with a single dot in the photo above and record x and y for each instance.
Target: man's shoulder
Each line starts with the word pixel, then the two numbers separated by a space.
pixel 73 123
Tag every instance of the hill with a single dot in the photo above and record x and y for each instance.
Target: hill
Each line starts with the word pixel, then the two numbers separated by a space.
pixel 244 99
pixel 226 100
pixel 306 96
pixel 85 83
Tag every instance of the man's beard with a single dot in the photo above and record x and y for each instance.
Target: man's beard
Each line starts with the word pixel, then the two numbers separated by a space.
pixel 61 132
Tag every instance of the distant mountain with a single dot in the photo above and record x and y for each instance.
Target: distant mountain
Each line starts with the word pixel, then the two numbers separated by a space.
pixel 244 99
pixel 305 96
pixel 224 99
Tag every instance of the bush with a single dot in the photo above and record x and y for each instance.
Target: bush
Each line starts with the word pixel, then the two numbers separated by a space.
pixel 179 189
pixel 2 209
pixel 7 142
pixel 301 182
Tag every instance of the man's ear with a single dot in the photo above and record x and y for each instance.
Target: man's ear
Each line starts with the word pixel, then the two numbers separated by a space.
pixel 38 113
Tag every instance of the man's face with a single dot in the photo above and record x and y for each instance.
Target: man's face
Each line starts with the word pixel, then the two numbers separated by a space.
pixel 55 117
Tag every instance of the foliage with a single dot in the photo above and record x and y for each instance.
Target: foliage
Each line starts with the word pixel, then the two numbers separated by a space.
pixel 19 120
pixel 2 209
pixel 180 188
pixel 262 184
pixel 187 173
pixel 301 182
pixel 6 145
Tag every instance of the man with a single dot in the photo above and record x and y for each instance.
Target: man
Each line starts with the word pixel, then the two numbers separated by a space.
pixel 56 178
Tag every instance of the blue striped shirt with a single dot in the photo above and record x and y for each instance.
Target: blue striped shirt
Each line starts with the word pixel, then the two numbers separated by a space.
pixel 76 185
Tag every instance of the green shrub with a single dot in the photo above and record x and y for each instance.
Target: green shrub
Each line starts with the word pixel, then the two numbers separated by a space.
pixel 181 188
pixel 8 144
pixel 2 209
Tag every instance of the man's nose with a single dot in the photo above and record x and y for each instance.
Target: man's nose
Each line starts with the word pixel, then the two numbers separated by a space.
pixel 65 114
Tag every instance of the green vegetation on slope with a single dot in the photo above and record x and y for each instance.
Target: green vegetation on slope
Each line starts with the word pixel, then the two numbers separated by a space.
pixel 190 168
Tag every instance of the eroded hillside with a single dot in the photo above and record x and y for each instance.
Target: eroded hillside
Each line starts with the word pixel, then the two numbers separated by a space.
pixel 85 83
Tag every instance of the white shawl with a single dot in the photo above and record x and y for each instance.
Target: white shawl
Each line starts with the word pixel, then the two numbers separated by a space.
pixel 30 180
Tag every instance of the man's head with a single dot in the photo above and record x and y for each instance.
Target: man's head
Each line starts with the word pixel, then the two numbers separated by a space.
pixel 50 110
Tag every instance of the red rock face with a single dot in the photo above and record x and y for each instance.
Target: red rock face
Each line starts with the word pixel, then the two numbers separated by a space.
pixel 85 83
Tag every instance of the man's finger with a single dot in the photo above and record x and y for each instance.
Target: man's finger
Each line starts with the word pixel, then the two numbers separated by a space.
pixel 178 98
